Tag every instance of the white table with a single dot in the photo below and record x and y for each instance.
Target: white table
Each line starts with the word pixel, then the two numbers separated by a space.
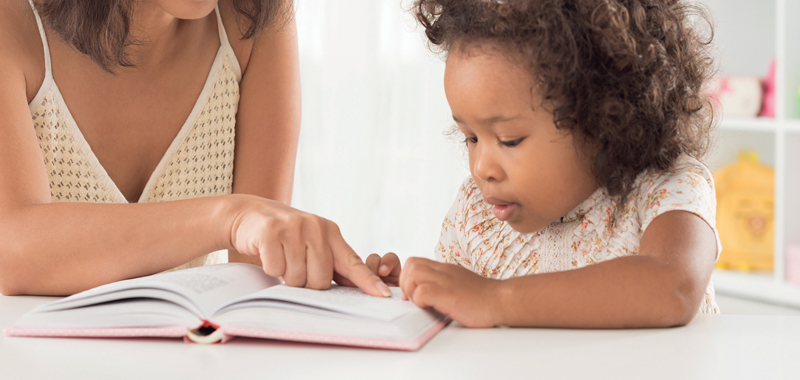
pixel 711 347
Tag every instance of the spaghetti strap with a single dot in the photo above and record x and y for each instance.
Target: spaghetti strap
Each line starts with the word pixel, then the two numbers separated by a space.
pixel 226 45
pixel 48 66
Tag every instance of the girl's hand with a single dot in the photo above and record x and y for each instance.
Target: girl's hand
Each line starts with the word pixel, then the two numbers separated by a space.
pixel 302 248
pixel 387 267
pixel 466 297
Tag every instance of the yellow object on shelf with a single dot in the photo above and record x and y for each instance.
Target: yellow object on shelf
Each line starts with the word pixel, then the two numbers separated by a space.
pixel 745 214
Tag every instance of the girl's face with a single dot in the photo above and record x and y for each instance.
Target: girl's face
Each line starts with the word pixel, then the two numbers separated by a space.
pixel 530 171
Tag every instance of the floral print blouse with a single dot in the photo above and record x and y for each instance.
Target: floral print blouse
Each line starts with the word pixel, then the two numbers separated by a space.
pixel 591 233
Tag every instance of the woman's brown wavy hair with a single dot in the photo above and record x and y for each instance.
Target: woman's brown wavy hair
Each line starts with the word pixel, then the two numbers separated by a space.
pixel 626 76
pixel 101 28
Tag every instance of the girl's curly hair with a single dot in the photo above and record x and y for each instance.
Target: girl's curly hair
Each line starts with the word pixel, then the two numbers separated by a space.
pixel 626 75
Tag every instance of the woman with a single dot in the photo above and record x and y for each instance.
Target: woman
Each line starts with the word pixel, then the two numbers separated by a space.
pixel 141 135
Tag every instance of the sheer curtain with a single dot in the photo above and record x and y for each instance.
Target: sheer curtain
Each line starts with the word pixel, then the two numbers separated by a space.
pixel 373 155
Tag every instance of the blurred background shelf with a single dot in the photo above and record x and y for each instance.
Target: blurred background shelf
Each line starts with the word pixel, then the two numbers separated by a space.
pixel 755 124
pixel 749 35
pixel 756 286
pixel 792 126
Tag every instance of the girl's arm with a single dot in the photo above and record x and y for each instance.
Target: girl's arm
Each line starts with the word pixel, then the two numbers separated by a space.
pixel 660 287
pixel 268 121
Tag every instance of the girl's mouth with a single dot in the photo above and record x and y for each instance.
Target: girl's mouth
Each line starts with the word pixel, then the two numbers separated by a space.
pixel 504 211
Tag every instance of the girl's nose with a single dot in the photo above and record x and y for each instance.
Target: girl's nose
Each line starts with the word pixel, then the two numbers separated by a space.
pixel 485 167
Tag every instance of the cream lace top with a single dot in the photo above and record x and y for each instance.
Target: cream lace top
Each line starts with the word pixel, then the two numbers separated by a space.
pixel 473 238
pixel 198 163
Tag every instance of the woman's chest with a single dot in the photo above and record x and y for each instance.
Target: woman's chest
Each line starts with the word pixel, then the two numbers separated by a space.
pixel 130 118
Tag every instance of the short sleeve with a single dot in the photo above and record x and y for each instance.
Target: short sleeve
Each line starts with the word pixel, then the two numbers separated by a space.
pixel 689 186
pixel 450 248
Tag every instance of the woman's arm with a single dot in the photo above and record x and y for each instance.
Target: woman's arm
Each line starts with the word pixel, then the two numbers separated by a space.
pixel 268 121
pixel 62 248
pixel 660 287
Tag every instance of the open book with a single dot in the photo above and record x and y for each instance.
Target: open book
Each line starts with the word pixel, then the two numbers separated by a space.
pixel 214 303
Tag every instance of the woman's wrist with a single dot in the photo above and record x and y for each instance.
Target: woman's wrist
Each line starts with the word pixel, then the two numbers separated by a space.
pixel 227 209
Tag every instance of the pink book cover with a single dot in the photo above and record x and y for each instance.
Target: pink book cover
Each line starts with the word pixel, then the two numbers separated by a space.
pixel 226 334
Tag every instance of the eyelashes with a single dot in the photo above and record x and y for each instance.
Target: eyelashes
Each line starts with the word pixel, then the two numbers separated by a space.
pixel 507 144
pixel 510 144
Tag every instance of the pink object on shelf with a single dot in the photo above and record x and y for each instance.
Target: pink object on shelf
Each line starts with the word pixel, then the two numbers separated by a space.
pixel 741 96
pixel 793 264
pixel 768 107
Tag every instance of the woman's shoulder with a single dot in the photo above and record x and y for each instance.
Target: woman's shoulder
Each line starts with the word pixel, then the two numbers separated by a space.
pixel 20 44
pixel 237 24
pixel 241 47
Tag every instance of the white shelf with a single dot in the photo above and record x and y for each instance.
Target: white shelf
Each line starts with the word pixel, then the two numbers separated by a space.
pixel 775 34
pixel 792 126
pixel 754 124
pixel 756 286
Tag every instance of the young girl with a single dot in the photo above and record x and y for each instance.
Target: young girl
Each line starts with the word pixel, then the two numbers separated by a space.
pixel 587 205
pixel 140 136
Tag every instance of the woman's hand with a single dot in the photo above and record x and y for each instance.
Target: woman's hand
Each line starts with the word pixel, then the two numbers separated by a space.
pixel 302 248
pixel 466 297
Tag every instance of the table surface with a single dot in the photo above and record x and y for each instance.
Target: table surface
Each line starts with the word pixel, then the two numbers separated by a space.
pixel 719 346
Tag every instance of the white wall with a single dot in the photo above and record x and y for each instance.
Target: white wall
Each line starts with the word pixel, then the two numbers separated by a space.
pixel 373 156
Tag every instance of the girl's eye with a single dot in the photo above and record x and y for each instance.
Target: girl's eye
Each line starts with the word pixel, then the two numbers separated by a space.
pixel 511 144
pixel 470 140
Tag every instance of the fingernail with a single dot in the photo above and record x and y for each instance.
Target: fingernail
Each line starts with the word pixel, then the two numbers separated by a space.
pixel 384 289
pixel 384 269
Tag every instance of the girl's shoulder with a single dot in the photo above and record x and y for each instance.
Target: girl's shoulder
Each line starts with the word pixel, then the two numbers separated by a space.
pixel 688 185
pixel 20 44
pixel 685 168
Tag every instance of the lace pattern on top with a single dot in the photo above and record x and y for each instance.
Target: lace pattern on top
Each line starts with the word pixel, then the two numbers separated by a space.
pixel 198 163
pixel 556 249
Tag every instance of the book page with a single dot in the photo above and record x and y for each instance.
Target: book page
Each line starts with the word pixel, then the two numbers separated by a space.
pixel 340 299
pixel 200 290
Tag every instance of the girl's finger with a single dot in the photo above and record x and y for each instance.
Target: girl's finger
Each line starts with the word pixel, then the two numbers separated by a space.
pixel 407 277
pixel 418 271
pixel 426 295
pixel 373 261
pixel 389 266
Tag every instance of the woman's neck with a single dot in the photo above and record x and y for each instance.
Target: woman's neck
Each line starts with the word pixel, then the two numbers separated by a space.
pixel 157 35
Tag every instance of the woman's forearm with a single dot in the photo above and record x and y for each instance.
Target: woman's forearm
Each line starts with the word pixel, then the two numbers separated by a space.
pixel 64 248
pixel 635 291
